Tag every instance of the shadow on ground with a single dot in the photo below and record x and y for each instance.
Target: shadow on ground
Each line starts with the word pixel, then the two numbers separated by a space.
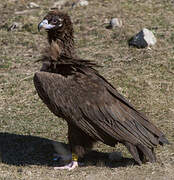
pixel 32 150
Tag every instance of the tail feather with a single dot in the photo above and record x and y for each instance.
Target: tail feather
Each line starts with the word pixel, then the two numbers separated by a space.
pixel 134 152
pixel 163 140
pixel 148 153
pixel 141 153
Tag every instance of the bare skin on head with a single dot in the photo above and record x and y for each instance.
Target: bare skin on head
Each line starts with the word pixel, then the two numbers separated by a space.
pixel 93 109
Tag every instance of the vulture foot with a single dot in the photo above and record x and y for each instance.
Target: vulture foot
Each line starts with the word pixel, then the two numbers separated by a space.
pixel 72 165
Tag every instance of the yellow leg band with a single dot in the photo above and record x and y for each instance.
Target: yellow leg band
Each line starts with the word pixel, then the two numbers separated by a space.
pixel 74 157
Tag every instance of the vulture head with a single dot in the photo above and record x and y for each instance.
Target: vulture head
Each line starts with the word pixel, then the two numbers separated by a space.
pixel 60 30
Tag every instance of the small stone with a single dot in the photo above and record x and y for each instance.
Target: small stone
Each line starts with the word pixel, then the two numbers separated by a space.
pixel 33 5
pixel 83 3
pixel 106 21
pixel 14 26
pixel 114 23
pixel 80 3
pixel 115 156
pixel 143 39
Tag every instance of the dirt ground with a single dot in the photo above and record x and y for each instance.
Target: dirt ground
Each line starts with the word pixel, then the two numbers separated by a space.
pixel 145 76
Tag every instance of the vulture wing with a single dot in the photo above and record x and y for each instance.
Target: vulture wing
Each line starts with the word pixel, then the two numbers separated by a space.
pixel 91 103
pixel 87 101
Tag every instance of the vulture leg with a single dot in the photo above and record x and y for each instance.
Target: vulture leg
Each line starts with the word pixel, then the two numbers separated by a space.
pixel 72 165
pixel 79 144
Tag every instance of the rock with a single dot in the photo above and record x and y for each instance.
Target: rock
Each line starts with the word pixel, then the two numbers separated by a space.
pixel 33 5
pixel 114 23
pixel 14 26
pixel 106 21
pixel 115 156
pixel 143 39
pixel 80 3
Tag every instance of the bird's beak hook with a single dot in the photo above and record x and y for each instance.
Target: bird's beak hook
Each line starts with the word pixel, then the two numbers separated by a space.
pixel 44 24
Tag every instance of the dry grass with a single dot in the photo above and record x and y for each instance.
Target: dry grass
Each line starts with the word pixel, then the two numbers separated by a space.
pixel 145 77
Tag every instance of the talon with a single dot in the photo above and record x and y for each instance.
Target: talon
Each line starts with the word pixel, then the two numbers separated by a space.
pixel 69 166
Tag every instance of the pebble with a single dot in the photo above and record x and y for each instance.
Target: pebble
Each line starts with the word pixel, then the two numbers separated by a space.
pixel 15 26
pixel 143 39
pixel 114 23
pixel 80 3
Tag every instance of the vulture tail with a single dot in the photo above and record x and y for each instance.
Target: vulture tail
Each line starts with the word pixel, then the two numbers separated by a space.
pixel 141 153
pixel 147 154
pixel 163 140
pixel 134 152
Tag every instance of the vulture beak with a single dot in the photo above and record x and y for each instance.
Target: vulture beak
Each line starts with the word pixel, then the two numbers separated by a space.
pixel 44 24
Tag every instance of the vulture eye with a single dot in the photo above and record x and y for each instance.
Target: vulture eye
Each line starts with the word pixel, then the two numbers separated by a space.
pixel 57 21
pixel 54 21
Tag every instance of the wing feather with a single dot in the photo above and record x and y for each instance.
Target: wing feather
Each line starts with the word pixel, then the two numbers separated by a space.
pixel 93 105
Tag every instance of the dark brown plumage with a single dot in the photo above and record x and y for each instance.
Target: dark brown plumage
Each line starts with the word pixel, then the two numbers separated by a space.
pixel 94 110
pixel 62 33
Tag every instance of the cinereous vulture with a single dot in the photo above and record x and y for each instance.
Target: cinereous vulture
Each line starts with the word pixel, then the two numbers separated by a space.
pixel 93 109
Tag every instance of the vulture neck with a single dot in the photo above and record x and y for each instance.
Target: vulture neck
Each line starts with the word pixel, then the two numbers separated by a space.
pixel 64 41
